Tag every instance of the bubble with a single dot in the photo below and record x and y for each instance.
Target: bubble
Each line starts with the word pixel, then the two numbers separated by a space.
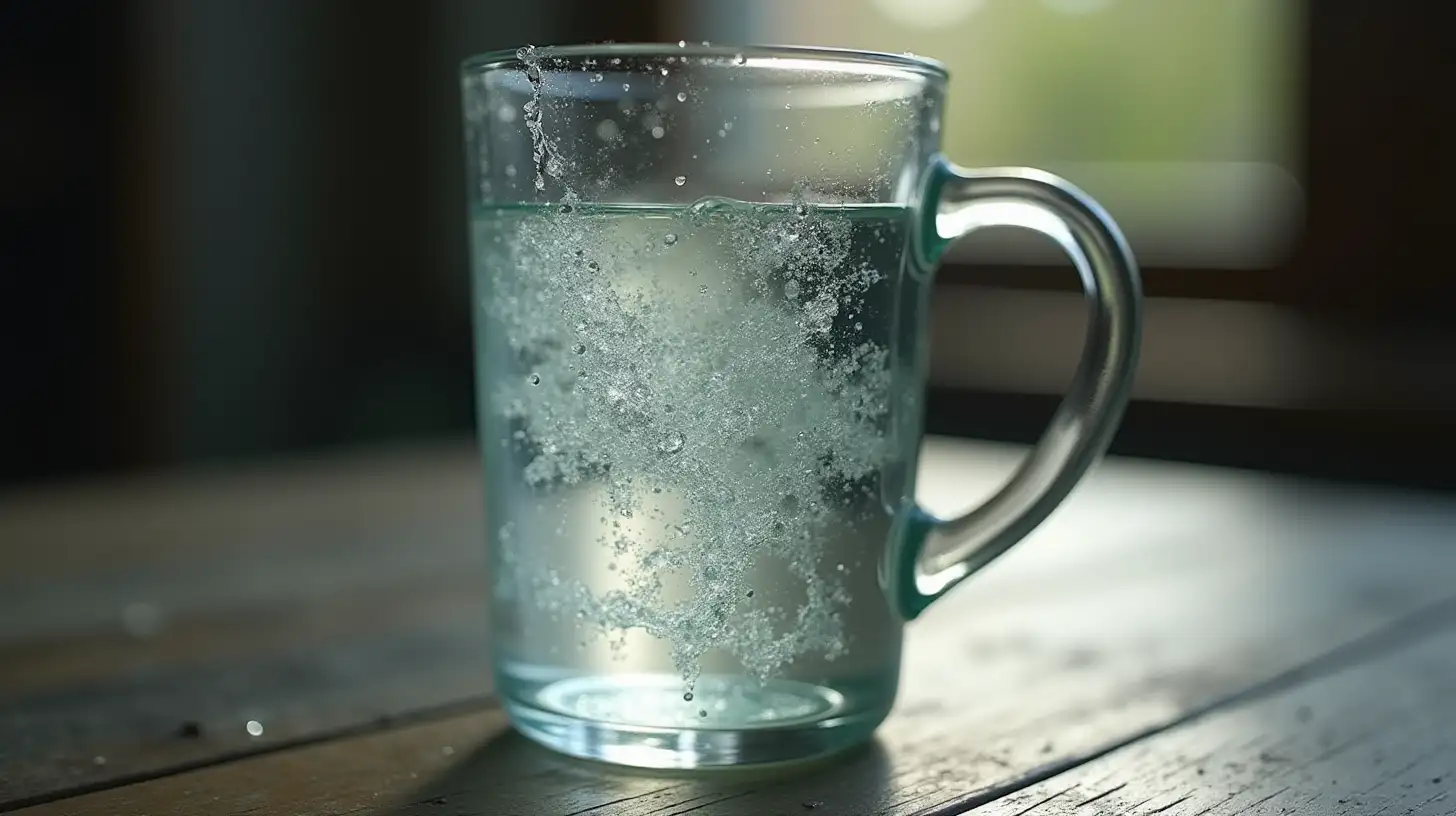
pixel 565 209
pixel 626 86
pixel 670 238
pixel 703 290
pixel 593 266
pixel 534 379
pixel 672 443
pixel 682 44
pixel 658 132
pixel 597 77
pixel 791 289
pixel 789 505
pixel 663 70
pixel 702 712
pixel 749 593
pixel 682 96
pixel 738 59
pixel 680 180
pixel 579 348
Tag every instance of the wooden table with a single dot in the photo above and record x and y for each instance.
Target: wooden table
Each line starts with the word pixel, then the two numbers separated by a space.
pixel 310 638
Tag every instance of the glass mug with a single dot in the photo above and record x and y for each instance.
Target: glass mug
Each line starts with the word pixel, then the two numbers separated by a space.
pixel 701 282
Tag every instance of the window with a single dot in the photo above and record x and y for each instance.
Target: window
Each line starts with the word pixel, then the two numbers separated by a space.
pixel 1181 116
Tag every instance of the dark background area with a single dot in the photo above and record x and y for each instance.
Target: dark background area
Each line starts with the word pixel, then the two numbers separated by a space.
pixel 235 229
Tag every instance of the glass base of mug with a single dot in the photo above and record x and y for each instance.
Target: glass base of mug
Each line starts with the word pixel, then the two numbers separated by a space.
pixel 644 720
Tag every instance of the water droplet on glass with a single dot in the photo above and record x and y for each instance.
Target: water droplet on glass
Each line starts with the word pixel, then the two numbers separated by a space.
pixel 534 379
pixel 702 712
pixel 658 132
pixel 687 696
pixel 682 96
pixel 672 443
pixel 670 238
pixel 579 348
pixel 680 180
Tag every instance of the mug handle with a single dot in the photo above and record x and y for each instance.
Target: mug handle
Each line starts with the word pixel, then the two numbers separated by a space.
pixel 930 555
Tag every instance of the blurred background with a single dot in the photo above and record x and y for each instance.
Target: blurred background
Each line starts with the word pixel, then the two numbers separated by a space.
pixel 233 229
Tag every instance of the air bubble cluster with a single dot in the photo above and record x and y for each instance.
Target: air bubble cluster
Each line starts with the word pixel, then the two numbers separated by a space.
pixel 690 373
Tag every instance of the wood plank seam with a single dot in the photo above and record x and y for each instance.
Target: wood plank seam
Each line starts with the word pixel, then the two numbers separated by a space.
pixel 440 712
pixel 1412 628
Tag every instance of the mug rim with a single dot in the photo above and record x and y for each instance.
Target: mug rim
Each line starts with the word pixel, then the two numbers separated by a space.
pixel 510 58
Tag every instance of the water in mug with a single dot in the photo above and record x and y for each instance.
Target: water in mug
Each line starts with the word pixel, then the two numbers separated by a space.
pixel 686 425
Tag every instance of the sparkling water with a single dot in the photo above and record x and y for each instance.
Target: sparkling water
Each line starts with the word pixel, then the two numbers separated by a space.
pixel 686 421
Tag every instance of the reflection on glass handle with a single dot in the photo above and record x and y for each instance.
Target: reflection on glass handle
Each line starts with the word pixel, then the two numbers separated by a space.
pixel 931 554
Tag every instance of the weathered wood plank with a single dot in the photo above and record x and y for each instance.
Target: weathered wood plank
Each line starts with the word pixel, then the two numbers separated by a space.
pixel 1158 590
pixel 1378 737
pixel 473 765
pixel 142 626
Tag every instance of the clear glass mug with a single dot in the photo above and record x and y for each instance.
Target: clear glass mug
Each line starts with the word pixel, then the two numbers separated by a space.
pixel 701 277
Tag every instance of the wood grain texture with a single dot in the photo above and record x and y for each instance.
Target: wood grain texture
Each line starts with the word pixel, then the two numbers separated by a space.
pixel 1156 592
pixel 144 624
pixel 1374 738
